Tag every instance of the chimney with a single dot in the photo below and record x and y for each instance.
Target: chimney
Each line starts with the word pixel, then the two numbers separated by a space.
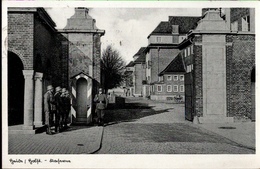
pixel 227 17
pixel 81 12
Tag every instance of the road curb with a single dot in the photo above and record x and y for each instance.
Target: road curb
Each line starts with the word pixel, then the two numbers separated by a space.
pixel 100 142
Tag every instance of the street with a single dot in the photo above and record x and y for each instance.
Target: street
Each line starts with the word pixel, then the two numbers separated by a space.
pixel 138 127
pixel 150 127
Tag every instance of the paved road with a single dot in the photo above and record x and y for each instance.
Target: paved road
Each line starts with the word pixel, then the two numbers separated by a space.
pixel 148 127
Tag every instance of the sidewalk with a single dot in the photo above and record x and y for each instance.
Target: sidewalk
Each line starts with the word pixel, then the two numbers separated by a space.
pixel 242 133
pixel 75 140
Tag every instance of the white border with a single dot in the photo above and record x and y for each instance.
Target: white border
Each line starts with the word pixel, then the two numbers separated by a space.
pixel 129 161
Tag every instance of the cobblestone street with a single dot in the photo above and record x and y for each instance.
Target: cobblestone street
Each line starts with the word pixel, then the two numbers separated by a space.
pixel 149 127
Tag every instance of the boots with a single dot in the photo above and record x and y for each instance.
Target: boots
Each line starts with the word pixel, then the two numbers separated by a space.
pixel 48 130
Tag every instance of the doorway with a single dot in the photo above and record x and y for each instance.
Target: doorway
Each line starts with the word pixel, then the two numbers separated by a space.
pixel 82 101
pixel 15 90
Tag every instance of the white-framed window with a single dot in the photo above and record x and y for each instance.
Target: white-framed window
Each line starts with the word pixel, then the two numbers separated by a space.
pixel 169 77
pixel 245 23
pixel 181 77
pixel 234 26
pixel 175 88
pixel 160 78
pixel 169 88
pixel 158 39
pixel 159 88
pixel 181 88
pixel 185 53
pixel 188 51
pixel 175 77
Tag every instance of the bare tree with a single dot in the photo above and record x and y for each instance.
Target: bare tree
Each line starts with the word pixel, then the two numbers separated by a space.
pixel 112 68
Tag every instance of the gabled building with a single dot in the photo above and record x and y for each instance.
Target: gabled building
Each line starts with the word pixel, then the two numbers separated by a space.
pixel 129 84
pixel 171 83
pixel 139 74
pixel 220 61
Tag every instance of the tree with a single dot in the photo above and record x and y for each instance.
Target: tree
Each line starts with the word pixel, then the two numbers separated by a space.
pixel 112 68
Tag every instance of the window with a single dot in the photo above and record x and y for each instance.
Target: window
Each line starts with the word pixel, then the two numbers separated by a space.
pixel 185 53
pixel 245 23
pixel 181 88
pixel 169 88
pixel 188 51
pixel 160 78
pixel 175 77
pixel 169 77
pixel 175 88
pixel 191 49
pixel 234 26
pixel 159 88
pixel 181 77
pixel 158 39
pixel 175 39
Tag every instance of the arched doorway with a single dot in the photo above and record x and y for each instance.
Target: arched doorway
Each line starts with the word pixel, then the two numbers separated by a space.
pixel 82 101
pixel 253 94
pixel 15 90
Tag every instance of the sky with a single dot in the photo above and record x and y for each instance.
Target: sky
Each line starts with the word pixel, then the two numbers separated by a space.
pixel 126 29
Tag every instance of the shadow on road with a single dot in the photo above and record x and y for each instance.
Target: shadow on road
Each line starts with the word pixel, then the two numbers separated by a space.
pixel 129 112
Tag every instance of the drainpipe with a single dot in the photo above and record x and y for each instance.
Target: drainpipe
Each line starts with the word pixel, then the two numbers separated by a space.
pixel 158 49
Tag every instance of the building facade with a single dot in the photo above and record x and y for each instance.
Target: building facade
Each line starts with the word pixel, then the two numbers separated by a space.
pixel 40 55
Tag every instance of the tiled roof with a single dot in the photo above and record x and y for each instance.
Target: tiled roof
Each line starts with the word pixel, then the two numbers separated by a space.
pixel 141 54
pixel 130 64
pixel 163 28
pixel 186 23
pixel 176 65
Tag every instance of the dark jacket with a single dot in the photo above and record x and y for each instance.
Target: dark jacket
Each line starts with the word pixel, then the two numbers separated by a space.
pixel 101 101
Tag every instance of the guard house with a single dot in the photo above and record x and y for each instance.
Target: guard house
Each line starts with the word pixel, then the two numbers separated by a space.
pixel 84 53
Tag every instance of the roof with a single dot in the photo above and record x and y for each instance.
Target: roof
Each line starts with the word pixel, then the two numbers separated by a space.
pixel 141 54
pixel 130 64
pixel 163 28
pixel 176 65
pixel 186 23
pixel 81 74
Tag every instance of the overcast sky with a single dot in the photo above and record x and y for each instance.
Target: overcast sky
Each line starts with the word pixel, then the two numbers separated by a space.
pixel 126 28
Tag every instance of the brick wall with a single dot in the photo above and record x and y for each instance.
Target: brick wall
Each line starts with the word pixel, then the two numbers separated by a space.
pixel 20 37
pixel 165 57
pixel 96 58
pixel 197 80
pixel 240 62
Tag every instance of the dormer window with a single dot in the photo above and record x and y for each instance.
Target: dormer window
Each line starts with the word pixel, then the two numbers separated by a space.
pixel 175 29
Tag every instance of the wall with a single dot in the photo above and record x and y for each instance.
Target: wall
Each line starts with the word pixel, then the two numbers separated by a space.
pixel 139 75
pixel 240 62
pixel 20 37
pixel 164 39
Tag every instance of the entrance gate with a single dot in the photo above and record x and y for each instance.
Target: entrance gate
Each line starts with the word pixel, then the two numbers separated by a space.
pixel 189 107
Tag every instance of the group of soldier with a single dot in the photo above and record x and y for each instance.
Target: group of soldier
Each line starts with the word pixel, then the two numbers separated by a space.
pixel 56 108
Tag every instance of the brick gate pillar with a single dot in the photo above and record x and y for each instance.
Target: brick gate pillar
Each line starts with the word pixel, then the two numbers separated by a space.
pixel 28 99
pixel 38 100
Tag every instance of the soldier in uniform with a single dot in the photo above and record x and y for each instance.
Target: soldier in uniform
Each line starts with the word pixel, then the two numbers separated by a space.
pixel 48 108
pixel 58 103
pixel 67 107
pixel 101 104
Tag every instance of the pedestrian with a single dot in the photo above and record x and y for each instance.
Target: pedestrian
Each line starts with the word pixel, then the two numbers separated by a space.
pixel 49 108
pixel 101 104
pixel 58 104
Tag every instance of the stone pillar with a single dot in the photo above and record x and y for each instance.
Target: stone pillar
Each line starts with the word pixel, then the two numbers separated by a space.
pixel 28 99
pixel 38 100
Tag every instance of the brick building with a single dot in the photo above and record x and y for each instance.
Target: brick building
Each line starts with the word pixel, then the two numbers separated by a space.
pixel 171 82
pixel 220 61
pixel 39 55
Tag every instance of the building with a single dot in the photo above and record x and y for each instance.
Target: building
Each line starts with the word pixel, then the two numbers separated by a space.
pixel 129 84
pixel 40 55
pixel 139 74
pixel 220 61
pixel 171 83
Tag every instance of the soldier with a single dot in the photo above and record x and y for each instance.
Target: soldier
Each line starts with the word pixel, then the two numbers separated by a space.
pixel 101 104
pixel 48 108
pixel 58 103
pixel 67 107
pixel 63 105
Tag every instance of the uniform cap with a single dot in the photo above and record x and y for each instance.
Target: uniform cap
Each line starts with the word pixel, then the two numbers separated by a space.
pixel 58 89
pixel 63 90
pixel 49 87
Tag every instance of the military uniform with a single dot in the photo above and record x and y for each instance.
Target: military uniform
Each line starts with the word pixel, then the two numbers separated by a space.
pixel 101 104
pixel 48 109
pixel 58 104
